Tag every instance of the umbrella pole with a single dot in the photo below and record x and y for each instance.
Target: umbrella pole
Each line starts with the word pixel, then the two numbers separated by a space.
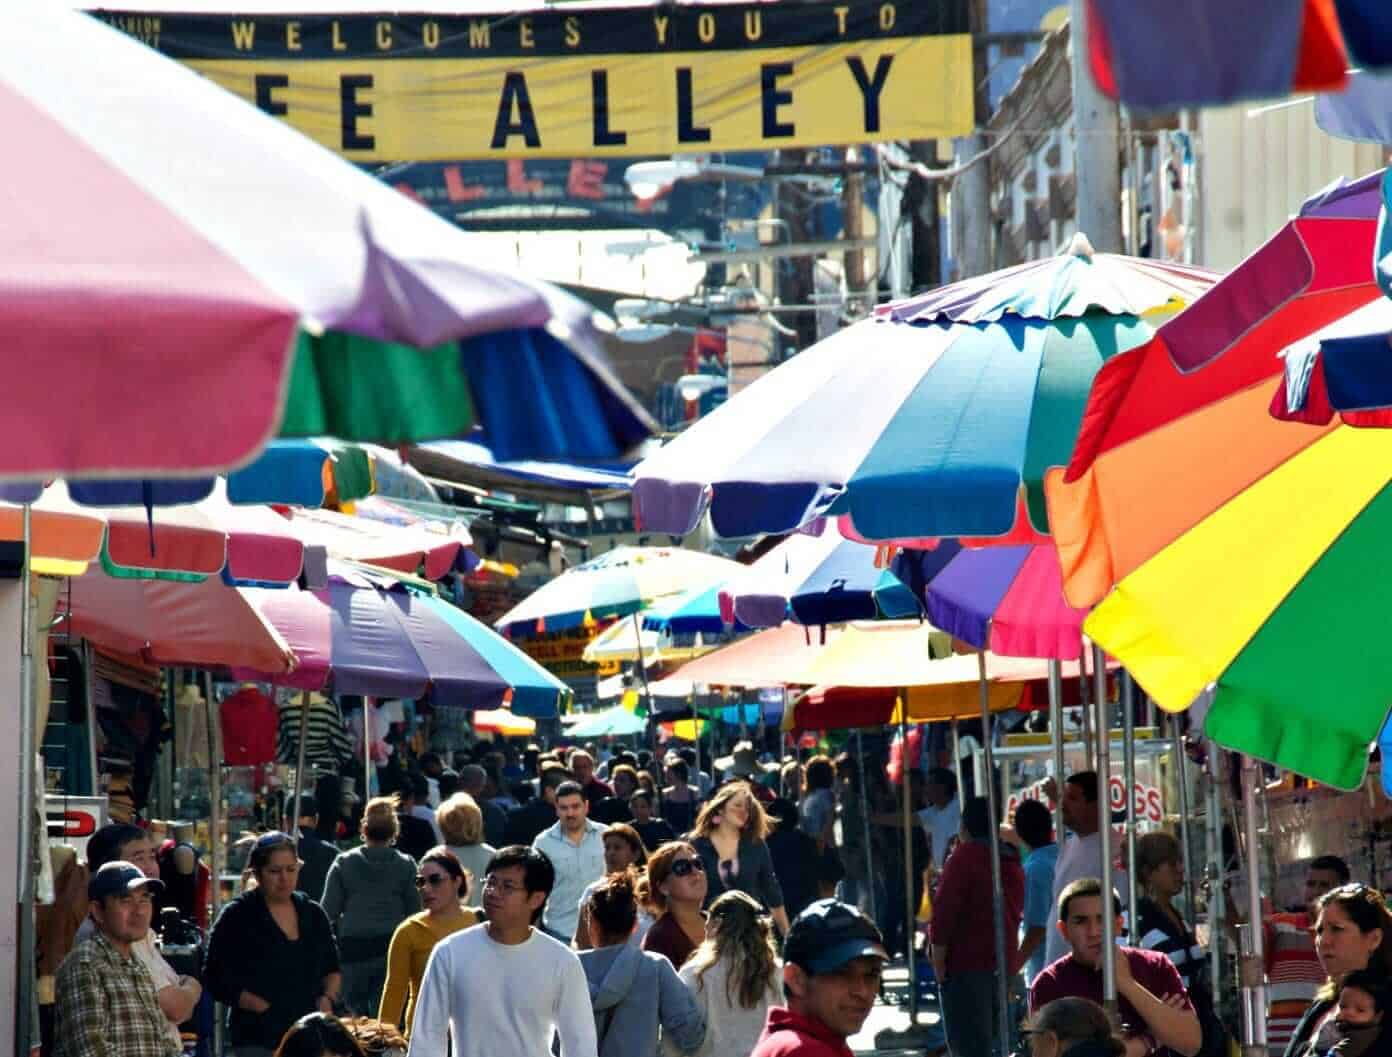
pixel 25 1007
pixel 1128 771
pixel 1181 771
pixel 1253 941
pixel 1085 699
pixel 1104 833
pixel 1217 869
pixel 997 884
pixel 910 911
pixel 643 667
pixel 367 751
pixel 957 762
pixel 865 823
pixel 292 811
pixel 1056 738
pixel 215 849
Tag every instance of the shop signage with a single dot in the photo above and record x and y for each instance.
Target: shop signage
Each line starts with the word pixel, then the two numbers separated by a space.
pixel 73 819
pixel 1149 804
pixel 579 84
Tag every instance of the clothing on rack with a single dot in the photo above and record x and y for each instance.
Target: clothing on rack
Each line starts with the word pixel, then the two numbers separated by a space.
pixel 248 728
pixel 327 741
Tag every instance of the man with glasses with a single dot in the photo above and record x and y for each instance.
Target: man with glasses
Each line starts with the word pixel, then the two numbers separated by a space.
pixel 505 988
pixel 106 1002
pixel 575 846
pixel 832 961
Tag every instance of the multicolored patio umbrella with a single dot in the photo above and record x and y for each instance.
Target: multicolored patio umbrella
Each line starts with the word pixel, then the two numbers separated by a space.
pixel 818 580
pixel 406 549
pixel 609 723
pixel 1177 427
pixel 361 638
pixel 618 583
pixel 138 251
pixel 961 400
pixel 503 723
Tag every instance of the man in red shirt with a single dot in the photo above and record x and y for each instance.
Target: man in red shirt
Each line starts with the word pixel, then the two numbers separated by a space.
pixel 963 933
pixel 1154 1009
pixel 832 959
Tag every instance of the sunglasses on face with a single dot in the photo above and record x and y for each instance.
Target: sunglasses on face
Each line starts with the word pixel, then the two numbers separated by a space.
pixel 686 867
pixel 431 879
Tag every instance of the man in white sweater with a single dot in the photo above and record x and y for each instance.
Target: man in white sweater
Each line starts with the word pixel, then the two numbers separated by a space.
pixel 504 988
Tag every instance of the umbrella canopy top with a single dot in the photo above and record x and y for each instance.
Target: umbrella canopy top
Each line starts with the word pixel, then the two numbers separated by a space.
pixel 611 722
pixel 776 657
pixel 1072 283
pixel 616 583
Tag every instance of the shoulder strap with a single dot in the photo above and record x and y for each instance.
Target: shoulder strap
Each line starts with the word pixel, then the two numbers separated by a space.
pixel 604 1031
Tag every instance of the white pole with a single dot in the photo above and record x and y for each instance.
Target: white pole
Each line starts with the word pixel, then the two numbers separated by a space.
pixel 1253 940
pixel 1104 832
pixel 24 1018
pixel 865 824
pixel 292 812
pixel 1217 874
pixel 1097 152
pixel 910 911
pixel 1181 770
pixel 1056 736
pixel 993 837
pixel 1128 770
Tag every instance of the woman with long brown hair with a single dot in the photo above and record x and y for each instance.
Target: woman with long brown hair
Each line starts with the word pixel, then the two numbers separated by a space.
pixel 734 975
pixel 674 890
pixel 729 836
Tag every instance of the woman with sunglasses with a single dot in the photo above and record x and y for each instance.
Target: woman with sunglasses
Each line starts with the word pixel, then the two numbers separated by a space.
pixel 729 836
pixel 1073 1027
pixel 674 890
pixel 319 1035
pixel 271 955
pixel 734 976
pixel 370 890
pixel 443 887
pixel 634 993
pixel 1353 930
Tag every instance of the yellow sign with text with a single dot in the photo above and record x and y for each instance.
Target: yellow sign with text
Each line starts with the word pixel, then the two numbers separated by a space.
pixel 592 83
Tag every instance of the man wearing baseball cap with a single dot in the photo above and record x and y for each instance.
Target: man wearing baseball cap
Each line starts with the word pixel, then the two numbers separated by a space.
pixel 832 960
pixel 106 1004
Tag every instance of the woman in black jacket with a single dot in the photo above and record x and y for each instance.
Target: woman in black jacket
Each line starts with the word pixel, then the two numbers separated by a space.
pixel 271 956
pixel 729 835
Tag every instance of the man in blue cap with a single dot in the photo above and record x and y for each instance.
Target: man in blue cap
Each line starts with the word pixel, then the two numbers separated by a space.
pixel 106 1004
pixel 832 960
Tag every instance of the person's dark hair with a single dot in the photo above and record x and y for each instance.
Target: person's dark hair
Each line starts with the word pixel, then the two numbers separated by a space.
pixel 522 791
pixel 448 783
pixel 1334 865
pixel 1075 1020
pixel 645 759
pixel 539 875
pixel 1153 851
pixel 688 756
pixel 1363 906
pixel 1373 984
pixel 641 794
pixel 627 759
pixel 680 769
pixel 627 770
pixel 1087 782
pixel 318 1034
pixel 309 807
pixel 449 862
pixel 1034 823
pixel 420 787
pixel 614 906
pixel 570 789
pixel 1082 888
pixel 266 845
pixel 976 818
pixel 944 777
pixel 783 812
pixel 553 776
pixel 820 773
pixel 632 838
pixel 105 844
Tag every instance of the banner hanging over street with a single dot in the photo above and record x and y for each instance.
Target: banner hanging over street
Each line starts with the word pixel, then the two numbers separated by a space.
pixel 589 83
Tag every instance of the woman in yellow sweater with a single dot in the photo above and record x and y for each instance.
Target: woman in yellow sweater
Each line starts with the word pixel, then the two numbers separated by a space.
pixel 443 888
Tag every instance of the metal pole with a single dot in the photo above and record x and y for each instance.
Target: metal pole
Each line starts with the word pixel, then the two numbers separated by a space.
pixel 865 822
pixel 1056 736
pixel 1128 770
pixel 24 1007
pixel 1085 699
pixel 1213 819
pixel 367 751
pixel 215 850
pixel 957 761
pixel 1098 168
pixel 910 911
pixel 997 884
pixel 643 668
pixel 1181 771
pixel 1104 833
pixel 292 812
pixel 1253 960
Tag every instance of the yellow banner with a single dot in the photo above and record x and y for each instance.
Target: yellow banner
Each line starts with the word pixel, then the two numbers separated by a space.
pixel 590 84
